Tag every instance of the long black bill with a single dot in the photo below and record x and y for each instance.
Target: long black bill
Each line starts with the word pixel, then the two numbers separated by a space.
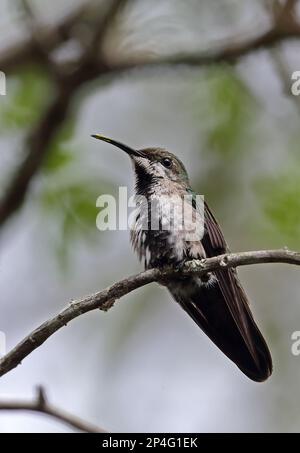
pixel 127 149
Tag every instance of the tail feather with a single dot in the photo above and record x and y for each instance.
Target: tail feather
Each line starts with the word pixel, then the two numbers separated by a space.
pixel 235 334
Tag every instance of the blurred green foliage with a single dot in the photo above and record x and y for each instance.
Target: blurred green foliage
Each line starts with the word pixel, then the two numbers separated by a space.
pixel 59 155
pixel 28 92
pixel 226 111
pixel 280 200
pixel 68 197
pixel 72 206
pixel 75 204
pixel 229 105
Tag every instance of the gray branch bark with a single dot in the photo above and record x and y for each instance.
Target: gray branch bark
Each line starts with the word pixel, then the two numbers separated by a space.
pixel 105 299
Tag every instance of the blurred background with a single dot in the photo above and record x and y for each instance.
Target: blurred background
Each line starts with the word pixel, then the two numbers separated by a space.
pixel 74 68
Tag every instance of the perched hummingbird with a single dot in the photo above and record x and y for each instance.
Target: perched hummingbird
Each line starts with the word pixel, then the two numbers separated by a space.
pixel 217 302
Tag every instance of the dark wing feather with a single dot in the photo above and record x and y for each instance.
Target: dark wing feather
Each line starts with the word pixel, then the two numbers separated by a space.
pixel 222 310
pixel 214 244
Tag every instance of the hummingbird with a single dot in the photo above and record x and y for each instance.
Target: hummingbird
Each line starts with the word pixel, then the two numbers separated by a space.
pixel 216 302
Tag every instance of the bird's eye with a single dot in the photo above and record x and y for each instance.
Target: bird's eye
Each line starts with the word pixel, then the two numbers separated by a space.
pixel 167 162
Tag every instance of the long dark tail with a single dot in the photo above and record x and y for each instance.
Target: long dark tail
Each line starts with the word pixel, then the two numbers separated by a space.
pixel 221 310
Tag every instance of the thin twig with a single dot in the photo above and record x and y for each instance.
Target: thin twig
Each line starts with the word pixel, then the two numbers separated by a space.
pixel 41 405
pixel 105 299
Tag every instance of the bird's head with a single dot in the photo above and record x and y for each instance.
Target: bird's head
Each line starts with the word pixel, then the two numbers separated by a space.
pixel 152 165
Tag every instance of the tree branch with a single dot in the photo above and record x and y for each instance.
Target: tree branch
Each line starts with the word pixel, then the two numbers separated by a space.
pixel 227 54
pixel 41 405
pixel 100 32
pixel 37 147
pixel 93 64
pixel 28 51
pixel 40 138
pixel 105 299
pixel 288 9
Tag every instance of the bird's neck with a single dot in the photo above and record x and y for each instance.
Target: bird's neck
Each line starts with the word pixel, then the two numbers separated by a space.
pixel 162 187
